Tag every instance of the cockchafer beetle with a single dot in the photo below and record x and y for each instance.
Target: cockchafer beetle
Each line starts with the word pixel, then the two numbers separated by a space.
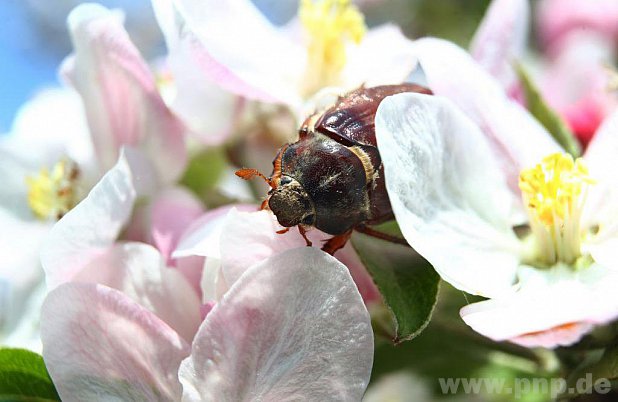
pixel 332 178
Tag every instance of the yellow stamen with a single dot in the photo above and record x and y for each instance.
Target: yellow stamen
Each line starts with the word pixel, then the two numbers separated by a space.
pixel 51 194
pixel 330 24
pixel 554 192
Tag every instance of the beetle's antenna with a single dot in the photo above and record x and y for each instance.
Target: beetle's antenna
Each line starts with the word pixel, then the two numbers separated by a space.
pixel 248 174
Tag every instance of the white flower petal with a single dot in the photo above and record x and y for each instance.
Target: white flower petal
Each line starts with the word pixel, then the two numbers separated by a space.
pixel 562 301
pixel 239 56
pixel 202 238
pixel 517 139
pixel 383 57
pixel 201 102
pixel 20 271
pixel 119 93
pixel 100 345
pixel 601 207
pixel 138 271
pixel 448 194
pixel 293 327
pixel 93 225
pixel 501 38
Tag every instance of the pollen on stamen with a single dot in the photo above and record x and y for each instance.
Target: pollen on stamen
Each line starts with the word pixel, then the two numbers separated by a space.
pixel 53 192
pixel 554 192
pixel 330 25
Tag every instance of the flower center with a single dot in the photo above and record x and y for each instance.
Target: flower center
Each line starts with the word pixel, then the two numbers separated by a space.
pixel 329 24
pixel 554 192
pixel 52 193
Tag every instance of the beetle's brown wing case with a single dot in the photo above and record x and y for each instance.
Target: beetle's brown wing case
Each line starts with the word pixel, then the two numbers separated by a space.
pixel 351 120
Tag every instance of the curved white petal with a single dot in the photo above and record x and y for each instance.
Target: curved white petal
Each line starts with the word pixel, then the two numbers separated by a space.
pixel 292 328
pixel 448 194
pixel 516 138
pixel 202 238
pixel 20 273
pixel 553 307
pixel 205 107
pixel 251 237
pixel 382 57
pixel 601 206
pixel 100 345
pixel 501 38
pixel 119 93
pixel 139 271
pixel 93 225
pixel 248 57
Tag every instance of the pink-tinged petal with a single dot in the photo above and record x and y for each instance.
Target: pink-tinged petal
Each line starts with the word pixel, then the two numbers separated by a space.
pixel 383 57
pixel 120 96
pixel 448 194
pixel 558 18
pixel 172 212
pixel 552 308
pixel 517 139
pixel 94 224
pixel 100 345
pixel 564 335
pixel 202 237
pixel 501 38
pixel 251 237
pixel 576 83
pixel 293 327
pixel 239 57
pixel 198 100
pixel 139 271
pixel 366 287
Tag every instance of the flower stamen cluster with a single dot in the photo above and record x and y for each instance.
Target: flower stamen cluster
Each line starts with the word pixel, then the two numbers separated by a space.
pixel 329 24
pixel 53 193
pixel 554 192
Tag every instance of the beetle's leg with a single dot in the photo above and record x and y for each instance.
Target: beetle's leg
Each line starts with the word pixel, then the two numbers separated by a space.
pixel 380 235
pixel 282 231
pixel 303 233
pixel 264 205
pixel 336 242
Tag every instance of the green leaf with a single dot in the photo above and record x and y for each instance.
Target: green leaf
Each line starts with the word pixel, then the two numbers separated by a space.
pixel 546 115
pixel 408 283
pixel 24 377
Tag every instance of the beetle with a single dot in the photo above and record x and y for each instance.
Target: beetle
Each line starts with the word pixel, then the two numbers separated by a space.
pixel 332 178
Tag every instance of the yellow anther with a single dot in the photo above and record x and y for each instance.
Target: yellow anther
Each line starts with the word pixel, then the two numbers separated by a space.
pixel 52 193
pixel 553 188
pixel 554 192
pixel 330 24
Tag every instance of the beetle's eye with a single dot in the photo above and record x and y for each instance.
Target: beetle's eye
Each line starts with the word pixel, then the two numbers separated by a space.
pixel 308 220
pixel 285 180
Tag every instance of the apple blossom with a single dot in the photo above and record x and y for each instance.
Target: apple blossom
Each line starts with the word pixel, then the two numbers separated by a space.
pixel 547 286
pixel 293 326
pixel 256 60
pixel 61 145
pixel 578 42
pixel 299 309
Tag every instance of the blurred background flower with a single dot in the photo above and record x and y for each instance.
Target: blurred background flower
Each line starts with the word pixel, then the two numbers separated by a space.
pixel 34 38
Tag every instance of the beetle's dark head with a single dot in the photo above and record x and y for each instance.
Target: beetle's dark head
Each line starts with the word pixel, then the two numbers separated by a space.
pixel 291 204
